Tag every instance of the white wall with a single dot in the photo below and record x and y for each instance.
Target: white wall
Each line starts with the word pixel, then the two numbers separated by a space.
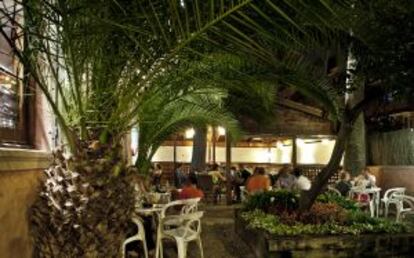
pixel 307 153
pixel 314 153
pixel 166 154
pixel 239 154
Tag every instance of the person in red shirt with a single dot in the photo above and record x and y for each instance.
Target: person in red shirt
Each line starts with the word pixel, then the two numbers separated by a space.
pixel 259 182
pixel 190 190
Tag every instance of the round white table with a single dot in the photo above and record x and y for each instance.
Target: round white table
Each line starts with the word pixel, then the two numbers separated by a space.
pixel 374 195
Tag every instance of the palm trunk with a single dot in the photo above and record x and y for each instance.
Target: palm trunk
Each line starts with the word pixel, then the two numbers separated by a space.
pixel 83 207
pixel 143 162
pixel 198 159
pixel 307 198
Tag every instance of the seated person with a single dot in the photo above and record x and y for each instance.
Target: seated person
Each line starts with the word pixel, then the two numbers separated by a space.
pixel 365 179
pixel 156 177
pixel 244 173
pixel 285 179
pixel 217 178
pixel 302 183
pixel 259 182
pixel 216 174
pixel 236 182
pixel 179 176
pixel 343 185
pixel 190 190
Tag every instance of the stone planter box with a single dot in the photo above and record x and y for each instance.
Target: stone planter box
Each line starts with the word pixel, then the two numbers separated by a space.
pixel 265 245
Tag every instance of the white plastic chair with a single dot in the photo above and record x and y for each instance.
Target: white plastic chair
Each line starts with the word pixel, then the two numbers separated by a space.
pixel 332 189
pixel 139 236
pixel 407 207
pixel 389 198
pixel 184 207
pixel 183 228
pixel 244 194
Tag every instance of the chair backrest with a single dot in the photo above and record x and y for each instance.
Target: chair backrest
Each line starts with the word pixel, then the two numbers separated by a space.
pixel 332 189
pixel 191 221
pixel 406 199
pixel 390 193
pixel 186 206
pixel 140 225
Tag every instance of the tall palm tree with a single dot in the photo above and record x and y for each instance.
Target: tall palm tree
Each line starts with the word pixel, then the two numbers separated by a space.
pixel 105 60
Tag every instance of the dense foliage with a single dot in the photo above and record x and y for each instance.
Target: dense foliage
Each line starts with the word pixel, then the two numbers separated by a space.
pixel 278 201
pixel 277 213
pixel 329 197
pixel 361 225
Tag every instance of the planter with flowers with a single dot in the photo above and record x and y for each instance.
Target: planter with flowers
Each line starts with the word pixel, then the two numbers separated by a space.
pixel 334 227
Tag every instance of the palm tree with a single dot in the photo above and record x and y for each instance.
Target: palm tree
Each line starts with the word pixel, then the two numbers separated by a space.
pixel 103 59
pixel 352 25
pixel 106 60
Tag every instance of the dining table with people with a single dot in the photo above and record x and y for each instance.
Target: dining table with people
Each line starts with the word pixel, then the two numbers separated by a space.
pixel 152 200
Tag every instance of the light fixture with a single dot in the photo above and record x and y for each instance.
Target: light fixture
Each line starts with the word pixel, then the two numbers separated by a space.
pixel 279 144
pixel 325 141
pixel 300 142
pixel 189 133
pixel 221 131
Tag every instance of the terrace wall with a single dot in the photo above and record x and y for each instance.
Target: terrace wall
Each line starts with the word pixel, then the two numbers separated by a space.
pixel 20 173
pixel 19 178
pixel 394 176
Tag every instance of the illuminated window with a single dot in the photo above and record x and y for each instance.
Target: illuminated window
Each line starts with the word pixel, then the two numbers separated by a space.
pixel 12 100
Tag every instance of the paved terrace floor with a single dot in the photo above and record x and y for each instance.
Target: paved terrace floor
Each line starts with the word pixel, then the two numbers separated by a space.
pixel 218 236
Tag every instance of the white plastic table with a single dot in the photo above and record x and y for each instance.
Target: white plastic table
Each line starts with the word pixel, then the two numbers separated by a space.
pixel 374 194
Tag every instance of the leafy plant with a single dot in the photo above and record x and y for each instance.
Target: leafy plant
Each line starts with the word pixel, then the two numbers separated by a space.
pixel 271 223
pixel 273 201
pixel 342 201
pixel 321 213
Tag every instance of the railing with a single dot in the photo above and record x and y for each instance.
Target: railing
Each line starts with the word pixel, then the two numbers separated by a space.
pixel 311 171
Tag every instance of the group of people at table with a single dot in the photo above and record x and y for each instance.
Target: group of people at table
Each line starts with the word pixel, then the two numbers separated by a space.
pixel 243 178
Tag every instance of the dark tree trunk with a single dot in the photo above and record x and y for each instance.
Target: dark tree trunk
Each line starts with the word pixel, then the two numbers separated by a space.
pixel 307 198
pixel 228 166
pixel 294 158
pixel 355 149
pixel 198 159
pixel 350 115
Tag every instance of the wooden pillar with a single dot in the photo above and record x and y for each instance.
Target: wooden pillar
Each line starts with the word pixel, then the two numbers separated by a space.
pixel 294 160
pixel 214 139
pixel 175 153
pixel 198 158
pixel 228 166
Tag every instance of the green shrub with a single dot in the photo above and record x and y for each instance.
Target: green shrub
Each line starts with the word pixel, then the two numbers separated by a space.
pixel 271 223
pixel 321 213
pixel 273 201
pixel 345 203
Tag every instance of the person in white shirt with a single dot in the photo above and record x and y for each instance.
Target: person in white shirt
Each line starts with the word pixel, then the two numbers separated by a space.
pixel 366 179
pixel 302 183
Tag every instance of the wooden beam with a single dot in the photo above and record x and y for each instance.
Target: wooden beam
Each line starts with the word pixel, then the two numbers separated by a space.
pixel 299 107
